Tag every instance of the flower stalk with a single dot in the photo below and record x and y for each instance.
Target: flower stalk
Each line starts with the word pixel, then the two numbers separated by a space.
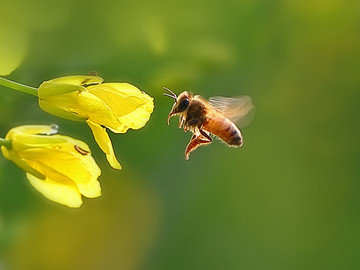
pixel 19 87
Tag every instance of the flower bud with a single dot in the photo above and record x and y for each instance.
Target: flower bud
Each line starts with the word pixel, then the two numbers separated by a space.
pixel 58 166
pixel 116 106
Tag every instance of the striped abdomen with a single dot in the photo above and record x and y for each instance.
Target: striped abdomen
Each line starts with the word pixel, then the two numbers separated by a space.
pixel 224 129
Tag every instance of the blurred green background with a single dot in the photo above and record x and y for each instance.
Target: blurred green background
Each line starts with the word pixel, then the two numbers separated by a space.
pixel 288 199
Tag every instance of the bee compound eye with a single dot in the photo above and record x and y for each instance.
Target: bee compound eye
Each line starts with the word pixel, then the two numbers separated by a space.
pixel 183 105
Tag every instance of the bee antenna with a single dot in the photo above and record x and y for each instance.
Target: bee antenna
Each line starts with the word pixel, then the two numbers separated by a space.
pixel 172 94
pixel 166 94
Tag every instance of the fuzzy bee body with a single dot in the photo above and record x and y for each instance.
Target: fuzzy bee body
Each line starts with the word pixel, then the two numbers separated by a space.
pixel 203 119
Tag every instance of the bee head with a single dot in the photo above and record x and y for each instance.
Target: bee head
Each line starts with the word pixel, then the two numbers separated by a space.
pixel 181 102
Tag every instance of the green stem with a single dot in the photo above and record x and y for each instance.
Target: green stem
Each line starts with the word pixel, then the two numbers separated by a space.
pixel 5 143
pixel 18 86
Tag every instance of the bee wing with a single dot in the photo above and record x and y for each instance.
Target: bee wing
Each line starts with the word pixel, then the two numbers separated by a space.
pixel 239 109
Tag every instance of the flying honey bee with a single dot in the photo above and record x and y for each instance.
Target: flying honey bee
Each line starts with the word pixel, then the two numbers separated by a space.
pixel 215 117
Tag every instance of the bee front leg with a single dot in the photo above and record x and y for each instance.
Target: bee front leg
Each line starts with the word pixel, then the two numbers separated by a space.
pixel 181 121
pixel 197 140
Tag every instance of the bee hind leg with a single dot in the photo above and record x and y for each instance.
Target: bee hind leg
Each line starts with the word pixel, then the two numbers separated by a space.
pixel 197 140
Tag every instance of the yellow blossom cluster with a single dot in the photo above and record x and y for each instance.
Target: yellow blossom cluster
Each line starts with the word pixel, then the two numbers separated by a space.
pixel 60 167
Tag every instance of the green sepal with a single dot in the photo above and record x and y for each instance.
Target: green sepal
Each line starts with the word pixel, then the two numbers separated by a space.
pixel 67 84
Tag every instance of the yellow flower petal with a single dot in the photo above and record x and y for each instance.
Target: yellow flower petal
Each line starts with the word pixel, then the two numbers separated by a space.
pixel 21 163
pixel 131 107
pixel 122 98
pixel 138 118
pixel 64 163
pixel 73 115
pixel 65 193
pixel 104 142
pixel 96 110
pixel 67 106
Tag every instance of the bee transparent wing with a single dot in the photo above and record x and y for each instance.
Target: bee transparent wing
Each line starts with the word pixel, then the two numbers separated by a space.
pixel 239 110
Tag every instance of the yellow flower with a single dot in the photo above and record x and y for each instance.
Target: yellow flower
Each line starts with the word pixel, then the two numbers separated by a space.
pixel 116 106
pixel 60 167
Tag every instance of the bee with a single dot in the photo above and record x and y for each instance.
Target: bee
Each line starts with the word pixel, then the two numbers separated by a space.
pixel 215 117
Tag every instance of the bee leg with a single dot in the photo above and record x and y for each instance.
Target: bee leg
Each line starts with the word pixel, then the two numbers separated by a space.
pixel 196 141
pixel 205 135
pixel 186 127
pixel 181 121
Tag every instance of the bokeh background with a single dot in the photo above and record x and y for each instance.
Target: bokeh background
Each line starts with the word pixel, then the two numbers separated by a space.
pixel 288 199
